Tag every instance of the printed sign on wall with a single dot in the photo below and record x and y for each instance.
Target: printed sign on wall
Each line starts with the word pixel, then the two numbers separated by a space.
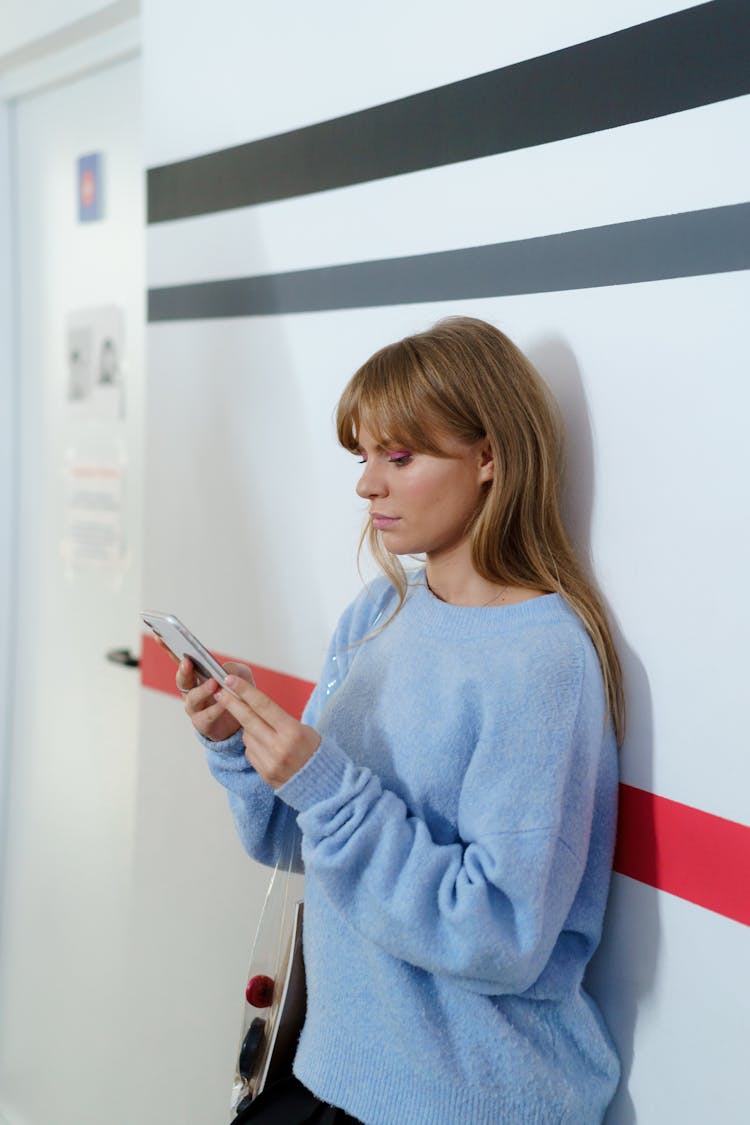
pixel 94 535
pixel 95 363
pixel 90 187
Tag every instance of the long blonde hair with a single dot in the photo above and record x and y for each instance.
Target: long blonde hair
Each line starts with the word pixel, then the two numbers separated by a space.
pixel 465 379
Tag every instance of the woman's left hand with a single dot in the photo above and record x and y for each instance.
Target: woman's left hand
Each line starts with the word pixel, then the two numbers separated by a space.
pixel 276 745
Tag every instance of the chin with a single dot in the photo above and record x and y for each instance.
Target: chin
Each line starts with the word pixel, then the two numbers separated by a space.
pixel 390 541
pixel 410 549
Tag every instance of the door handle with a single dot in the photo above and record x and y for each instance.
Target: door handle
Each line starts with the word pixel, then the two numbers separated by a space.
pixel 123 656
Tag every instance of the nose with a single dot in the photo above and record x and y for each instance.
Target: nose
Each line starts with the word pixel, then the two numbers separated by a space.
pixel 372 483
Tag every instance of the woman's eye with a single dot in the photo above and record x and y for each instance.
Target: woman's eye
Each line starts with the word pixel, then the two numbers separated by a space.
pixel 399 459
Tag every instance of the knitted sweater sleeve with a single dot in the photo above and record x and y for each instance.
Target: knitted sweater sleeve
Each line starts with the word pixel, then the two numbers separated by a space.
pixel 264 824
pixel 489 908
pixel 262 820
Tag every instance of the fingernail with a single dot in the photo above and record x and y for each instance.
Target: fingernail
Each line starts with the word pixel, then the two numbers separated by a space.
pixel 230 681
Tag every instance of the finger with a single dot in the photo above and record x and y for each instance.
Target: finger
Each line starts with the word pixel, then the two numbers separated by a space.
pixel 236 669
pixel 201 696
pixel 255 753
pixel 256 729
pixel 203 720
pixel 269 711
pixel 234 704
pixel 186 678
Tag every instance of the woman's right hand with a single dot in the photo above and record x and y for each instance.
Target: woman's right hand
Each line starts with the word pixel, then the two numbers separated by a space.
pixel 207 716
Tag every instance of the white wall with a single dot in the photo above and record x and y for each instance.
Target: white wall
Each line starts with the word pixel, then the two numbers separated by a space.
pixel 649 379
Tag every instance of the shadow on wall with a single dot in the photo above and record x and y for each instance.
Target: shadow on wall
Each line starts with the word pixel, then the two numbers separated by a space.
pixel 623 971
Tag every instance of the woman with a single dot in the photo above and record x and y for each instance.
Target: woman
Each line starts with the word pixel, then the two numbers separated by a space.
pixel 454 777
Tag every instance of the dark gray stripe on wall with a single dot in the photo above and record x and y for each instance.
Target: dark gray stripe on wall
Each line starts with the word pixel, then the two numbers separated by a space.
pixel 670 246
pixel 677 62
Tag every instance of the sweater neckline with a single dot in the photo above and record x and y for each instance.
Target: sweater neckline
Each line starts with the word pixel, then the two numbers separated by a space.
pixel 441 616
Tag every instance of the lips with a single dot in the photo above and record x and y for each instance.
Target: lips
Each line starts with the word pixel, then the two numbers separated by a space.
pixel 383 523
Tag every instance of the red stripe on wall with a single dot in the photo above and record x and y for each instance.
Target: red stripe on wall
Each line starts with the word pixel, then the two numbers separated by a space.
pixel 689 853
pixel 158 672
pixel 684 851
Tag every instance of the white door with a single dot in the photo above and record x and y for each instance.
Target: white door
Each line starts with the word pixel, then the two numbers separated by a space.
pixel 68 836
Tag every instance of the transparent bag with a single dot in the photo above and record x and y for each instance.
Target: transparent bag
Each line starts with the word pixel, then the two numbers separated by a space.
pixel 275 996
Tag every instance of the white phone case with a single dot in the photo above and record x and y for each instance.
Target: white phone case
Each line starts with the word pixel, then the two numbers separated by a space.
pixel 180 641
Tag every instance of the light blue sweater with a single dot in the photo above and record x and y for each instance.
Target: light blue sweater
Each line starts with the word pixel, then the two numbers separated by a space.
pixel 458 825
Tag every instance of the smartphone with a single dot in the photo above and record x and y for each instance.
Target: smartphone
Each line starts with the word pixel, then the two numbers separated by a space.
pixel 181 642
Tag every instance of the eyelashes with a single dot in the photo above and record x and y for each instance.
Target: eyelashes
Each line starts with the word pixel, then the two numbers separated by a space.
pixel 400 459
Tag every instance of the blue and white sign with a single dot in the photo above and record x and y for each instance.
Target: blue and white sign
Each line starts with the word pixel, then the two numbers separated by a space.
pixel 90 188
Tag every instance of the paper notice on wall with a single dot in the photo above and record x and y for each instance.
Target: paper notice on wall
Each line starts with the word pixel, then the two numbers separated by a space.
pixel 95 363
pixel 94 531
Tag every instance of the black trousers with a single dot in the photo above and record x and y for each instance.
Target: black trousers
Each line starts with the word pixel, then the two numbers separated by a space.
pixel 288 1102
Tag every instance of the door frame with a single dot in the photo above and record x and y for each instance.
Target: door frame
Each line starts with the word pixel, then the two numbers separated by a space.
pixel 8 456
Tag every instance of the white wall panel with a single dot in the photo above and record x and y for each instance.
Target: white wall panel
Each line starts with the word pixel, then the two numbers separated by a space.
pixel 666 975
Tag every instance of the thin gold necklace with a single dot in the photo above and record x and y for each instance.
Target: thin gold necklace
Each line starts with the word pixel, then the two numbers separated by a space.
pixel 484 605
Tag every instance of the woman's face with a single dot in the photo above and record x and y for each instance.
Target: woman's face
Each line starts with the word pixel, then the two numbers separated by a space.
pixel 420 503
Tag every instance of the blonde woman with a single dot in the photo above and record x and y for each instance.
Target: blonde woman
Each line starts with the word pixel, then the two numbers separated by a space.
pixel 454 778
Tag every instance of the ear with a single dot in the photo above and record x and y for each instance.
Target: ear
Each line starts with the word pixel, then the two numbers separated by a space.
pixel 486 463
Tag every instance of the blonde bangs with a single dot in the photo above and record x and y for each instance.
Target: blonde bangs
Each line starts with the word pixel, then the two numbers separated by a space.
pixel 388 397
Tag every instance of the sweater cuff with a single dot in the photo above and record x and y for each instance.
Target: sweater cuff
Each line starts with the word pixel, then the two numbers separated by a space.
pixel 320 777
pixel 232 746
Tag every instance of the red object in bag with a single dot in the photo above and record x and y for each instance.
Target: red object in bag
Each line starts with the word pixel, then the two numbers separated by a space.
pixel 259 991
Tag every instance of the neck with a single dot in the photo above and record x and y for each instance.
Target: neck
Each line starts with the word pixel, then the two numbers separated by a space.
pixel 454 580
